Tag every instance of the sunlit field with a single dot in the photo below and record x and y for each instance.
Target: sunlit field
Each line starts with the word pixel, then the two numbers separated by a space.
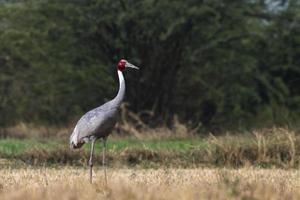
pixel 201 183
pixel 262 164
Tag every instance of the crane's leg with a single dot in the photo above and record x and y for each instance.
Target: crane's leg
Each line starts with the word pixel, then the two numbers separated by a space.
pixel 104 159
pixel 91 160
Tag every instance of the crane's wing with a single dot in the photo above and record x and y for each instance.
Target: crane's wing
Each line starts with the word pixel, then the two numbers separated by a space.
pixel 96 122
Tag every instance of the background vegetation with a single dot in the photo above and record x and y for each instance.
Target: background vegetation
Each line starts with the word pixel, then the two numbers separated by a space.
pixel 216 64
pixel 269 148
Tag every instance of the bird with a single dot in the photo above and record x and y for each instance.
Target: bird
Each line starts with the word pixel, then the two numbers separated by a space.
pixel 99 122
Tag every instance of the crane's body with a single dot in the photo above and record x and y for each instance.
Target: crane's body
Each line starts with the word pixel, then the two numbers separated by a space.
pixel 99 122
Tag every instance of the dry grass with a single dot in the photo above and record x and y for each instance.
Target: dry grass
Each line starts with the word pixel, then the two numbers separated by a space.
pixel 27 130
pixel 268 147
pixel 71 183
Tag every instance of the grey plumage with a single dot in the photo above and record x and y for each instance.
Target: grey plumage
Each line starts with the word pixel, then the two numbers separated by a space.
pixel 99 122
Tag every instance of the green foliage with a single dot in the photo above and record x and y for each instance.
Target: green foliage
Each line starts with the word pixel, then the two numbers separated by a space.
pixel 226 64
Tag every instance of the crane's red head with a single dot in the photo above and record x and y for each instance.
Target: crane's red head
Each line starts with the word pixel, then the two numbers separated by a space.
pixel 123 64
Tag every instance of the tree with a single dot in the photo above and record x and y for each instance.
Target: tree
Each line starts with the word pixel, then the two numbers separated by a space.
pixel 226 64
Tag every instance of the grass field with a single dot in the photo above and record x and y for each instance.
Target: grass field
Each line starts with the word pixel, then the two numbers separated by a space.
pixel 121 152
pixel 269 148
pixel 202 183
pixel 11 146
pixel 257 165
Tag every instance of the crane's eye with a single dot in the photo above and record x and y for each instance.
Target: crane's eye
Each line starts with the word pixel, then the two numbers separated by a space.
pixel 122 64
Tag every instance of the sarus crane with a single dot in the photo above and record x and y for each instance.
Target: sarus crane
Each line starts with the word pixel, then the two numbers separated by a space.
pixel 99 122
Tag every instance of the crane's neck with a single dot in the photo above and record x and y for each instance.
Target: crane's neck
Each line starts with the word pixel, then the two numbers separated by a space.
pixel 121 93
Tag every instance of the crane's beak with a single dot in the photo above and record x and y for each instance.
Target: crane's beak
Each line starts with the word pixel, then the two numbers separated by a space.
pixel 131 66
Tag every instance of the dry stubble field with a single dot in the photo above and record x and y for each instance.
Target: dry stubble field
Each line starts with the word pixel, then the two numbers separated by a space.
pixel 225 167
pixel 201 183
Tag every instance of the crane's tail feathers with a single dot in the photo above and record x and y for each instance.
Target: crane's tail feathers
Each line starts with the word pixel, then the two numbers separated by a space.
pixel 76 146
pixel 74 142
